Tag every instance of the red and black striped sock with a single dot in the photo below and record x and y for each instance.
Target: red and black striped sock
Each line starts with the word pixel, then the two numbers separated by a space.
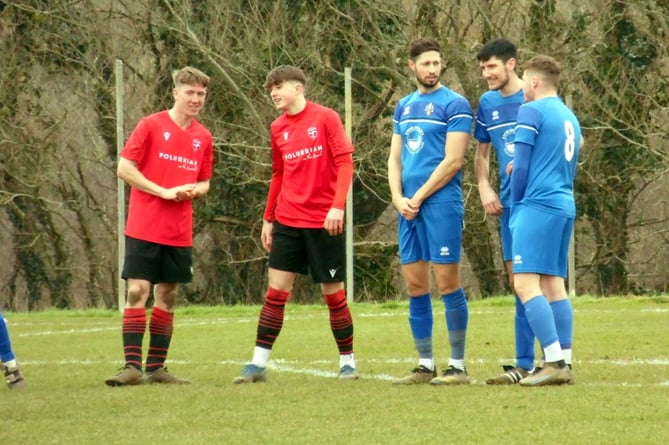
pixel 160 328
pixel 340 321
pixel 271 317
pixel 134 326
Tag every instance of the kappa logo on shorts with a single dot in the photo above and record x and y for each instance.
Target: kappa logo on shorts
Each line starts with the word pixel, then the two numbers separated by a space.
pixel 332 272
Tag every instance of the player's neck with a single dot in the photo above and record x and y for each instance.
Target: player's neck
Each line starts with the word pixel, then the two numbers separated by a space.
pixel 542 94
pixel 422 89
pixel 183 121
pixel 297 106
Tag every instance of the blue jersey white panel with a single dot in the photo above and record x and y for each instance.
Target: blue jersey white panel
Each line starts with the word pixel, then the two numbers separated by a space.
pixel 496 123
pixel 555 136
pixel 423 121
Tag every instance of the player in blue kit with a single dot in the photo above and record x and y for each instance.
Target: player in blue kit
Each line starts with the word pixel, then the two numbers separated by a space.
pixel 547 145
pixel 431 130
pixel 495 128
pixel 13 376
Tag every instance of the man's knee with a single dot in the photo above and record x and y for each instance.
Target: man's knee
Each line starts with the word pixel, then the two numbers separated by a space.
pixel 138 293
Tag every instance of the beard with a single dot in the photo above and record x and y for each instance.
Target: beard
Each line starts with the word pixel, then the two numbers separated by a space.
pixel 502 82
pixel 428 84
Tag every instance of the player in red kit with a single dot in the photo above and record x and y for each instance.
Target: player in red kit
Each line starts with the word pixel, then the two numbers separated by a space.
pixel 167 161
pixel 303 223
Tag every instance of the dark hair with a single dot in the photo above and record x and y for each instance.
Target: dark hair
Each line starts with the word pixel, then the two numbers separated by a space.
pixel 420 46
pixel 503 49
pixel 283 73
pixel 546 66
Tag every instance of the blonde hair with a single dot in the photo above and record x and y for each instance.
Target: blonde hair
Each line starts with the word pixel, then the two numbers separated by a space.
pixel 189 76
pixel 546 66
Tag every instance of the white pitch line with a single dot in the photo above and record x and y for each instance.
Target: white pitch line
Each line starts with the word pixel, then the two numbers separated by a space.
pixel 292 367
pixel 190 321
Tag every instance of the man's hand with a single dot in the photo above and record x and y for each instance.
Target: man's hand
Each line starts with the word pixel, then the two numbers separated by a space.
pixel 407 208
pixel 490 200
pixel 334 221
pixel 509 168
pixel 266 235
pixel 180 193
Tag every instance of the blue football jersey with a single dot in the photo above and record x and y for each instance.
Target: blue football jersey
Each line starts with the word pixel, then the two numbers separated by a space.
pixel 496 123
pixel 554 133
pixel 424 121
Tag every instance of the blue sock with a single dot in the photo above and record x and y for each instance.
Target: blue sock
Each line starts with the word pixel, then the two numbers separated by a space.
pixel 457 317
pixel 6 353
pixel 421 322
pixel 524 338
pixel 540 318
pixel 564 322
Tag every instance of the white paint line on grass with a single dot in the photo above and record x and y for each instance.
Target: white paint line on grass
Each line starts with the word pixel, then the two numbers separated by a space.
pixel 197 321
pixel 292 367
pixel 67 331
pixel 181 322
pixel 632 362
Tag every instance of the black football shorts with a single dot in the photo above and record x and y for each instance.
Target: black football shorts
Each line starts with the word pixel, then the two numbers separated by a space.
pixel 157 263
pixel 305 251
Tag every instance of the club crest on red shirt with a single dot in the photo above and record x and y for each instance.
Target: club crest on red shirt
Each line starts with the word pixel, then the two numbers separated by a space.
pixel 312 132
pixel 197 144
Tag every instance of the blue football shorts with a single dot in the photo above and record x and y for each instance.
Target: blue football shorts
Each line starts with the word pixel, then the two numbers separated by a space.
pixel 540 241
pixel 435 235
pixel 505 233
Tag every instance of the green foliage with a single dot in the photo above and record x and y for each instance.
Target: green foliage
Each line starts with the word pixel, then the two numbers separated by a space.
pixel 58 142
pixel 374 272
pixel 621 62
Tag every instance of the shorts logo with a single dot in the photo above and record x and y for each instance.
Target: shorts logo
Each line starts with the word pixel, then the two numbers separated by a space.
pixel 332 272
pixel 444 251
pixel 518 259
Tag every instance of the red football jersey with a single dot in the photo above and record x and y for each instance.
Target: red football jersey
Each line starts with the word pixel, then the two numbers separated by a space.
pixel 169 156
pixel 304 175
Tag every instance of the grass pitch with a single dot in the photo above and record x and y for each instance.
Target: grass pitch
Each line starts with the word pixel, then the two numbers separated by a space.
pixel 620 397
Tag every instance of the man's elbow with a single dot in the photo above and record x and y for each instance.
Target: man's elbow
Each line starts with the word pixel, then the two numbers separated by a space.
pixel 457 164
